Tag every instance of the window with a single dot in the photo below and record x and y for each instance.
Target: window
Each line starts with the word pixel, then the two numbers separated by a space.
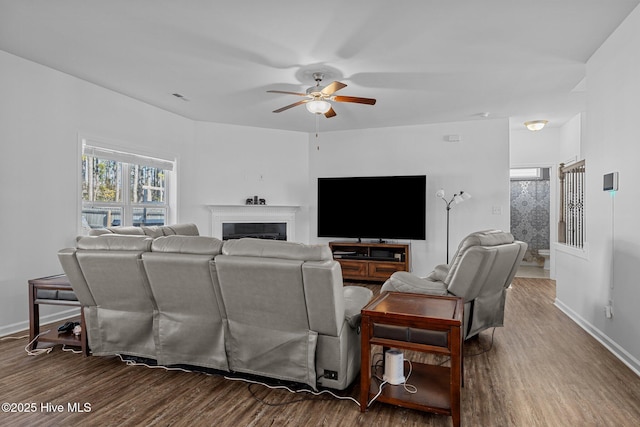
pixel 120 188
pixel 571 230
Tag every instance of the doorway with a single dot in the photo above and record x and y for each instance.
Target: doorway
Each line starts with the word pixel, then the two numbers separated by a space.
pixel 530 194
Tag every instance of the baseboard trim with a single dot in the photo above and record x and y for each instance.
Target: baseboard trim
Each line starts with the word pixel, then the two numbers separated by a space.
pixel 612 346
pixel 50 318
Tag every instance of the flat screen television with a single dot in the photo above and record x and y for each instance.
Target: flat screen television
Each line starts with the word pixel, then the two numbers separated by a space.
pixel 372 207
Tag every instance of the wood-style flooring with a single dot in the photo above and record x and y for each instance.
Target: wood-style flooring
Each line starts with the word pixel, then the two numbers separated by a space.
pixel 541 370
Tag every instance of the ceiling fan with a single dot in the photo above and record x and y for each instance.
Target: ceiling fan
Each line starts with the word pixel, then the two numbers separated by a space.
pixel 318 97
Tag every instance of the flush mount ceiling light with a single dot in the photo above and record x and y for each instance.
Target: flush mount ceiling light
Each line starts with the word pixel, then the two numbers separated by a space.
pixel 535 125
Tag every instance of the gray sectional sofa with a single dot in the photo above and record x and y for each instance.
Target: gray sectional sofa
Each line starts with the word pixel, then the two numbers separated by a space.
pixel 261 307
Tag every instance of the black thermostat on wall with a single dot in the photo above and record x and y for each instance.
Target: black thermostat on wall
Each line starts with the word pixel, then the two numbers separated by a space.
pixel 610 182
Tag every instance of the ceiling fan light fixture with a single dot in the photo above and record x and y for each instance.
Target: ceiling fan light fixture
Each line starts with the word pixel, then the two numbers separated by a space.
pixel 535 125
pixel 318 106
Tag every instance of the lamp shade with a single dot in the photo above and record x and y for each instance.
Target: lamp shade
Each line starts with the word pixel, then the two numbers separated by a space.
pixel 318 106
pixel 535 125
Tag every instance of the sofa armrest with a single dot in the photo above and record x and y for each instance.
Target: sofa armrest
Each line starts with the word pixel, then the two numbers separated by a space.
pixel 402 281
pixel 439 273
pixel 355 298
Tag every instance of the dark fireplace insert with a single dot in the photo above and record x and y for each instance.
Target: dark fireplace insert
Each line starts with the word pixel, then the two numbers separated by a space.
pixel 259 230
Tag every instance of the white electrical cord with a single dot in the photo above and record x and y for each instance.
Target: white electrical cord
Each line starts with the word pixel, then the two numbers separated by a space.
pixel 70 350
pixel 281 387
pixel 278 387
pixel 382 384
pixel 14 338
pixel 38 351
pixel 409 388
pixel 134 363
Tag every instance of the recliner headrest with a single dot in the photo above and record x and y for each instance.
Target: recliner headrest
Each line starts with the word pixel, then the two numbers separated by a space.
pixel 479 238
pixel 198 245
pixel 115 243
pixel 276 249
pixel 486 238
pixel 152 231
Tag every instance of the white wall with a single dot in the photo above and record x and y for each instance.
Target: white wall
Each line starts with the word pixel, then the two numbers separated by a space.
pixel 611 267
pixel 227 164
pixel 42 114
pixel 548 148
pixel 479 164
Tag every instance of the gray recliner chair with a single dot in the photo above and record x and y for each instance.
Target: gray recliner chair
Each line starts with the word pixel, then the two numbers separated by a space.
pixel 480 272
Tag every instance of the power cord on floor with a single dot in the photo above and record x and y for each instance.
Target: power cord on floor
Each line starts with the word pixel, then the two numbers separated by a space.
pixel 483 351
pixel 282 387
pixel 70 350
pixel 409 388
pixel 38 351
pixel 130 362
pixel 21 337
pixel 264 402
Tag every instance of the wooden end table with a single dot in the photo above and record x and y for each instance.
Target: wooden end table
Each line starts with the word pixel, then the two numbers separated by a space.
pixel 424 323
pixel 45 291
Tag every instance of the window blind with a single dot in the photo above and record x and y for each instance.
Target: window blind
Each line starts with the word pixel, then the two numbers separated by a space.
pixel 120 156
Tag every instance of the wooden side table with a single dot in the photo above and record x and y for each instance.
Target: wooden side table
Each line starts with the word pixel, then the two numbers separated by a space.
pixel 424 323
pixel 54 290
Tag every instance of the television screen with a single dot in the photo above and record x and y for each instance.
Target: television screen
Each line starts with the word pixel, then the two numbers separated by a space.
pixel 376 207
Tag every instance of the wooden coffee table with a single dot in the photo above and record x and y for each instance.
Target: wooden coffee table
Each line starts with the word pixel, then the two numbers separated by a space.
pixel 424 323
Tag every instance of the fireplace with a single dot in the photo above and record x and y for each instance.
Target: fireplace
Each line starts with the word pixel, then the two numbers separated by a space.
pixel 262 221
pixel 258 230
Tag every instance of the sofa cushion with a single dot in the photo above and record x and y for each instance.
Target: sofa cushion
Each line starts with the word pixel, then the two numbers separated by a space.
pixel 276 249
pixel 199 245
pixel 112 242
pixel 181 229
pixel 128 230
pixel 151 231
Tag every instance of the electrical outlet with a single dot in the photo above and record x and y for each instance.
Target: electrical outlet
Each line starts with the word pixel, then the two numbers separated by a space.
pixel 330 375
pixel 608 311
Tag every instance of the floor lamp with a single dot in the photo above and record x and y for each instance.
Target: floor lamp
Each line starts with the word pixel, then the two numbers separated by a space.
pixel 457 198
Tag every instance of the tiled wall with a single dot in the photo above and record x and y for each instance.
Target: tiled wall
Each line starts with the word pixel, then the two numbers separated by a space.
pixel 530 213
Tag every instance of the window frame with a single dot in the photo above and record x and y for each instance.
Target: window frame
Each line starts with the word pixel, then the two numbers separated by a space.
pixel 127 155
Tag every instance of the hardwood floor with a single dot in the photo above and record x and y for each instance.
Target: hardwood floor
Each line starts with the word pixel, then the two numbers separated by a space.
pixel 542 370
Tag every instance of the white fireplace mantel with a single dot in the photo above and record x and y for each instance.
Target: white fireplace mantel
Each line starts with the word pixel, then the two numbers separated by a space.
pixel 221 214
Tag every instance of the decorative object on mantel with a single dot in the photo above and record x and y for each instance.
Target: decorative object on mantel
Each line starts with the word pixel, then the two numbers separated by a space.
pixel 457 198
pixel 255 201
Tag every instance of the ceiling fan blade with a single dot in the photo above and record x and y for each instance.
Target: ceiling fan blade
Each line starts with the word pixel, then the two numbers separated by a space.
pixel 368 101
pixel 332 88
pixel 295 104
pixel 330 113
pixel 287 92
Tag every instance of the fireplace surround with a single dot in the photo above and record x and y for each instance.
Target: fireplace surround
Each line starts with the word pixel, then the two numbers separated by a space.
pixel 253 214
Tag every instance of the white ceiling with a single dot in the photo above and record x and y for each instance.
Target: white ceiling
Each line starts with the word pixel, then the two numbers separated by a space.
pixel 426 61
